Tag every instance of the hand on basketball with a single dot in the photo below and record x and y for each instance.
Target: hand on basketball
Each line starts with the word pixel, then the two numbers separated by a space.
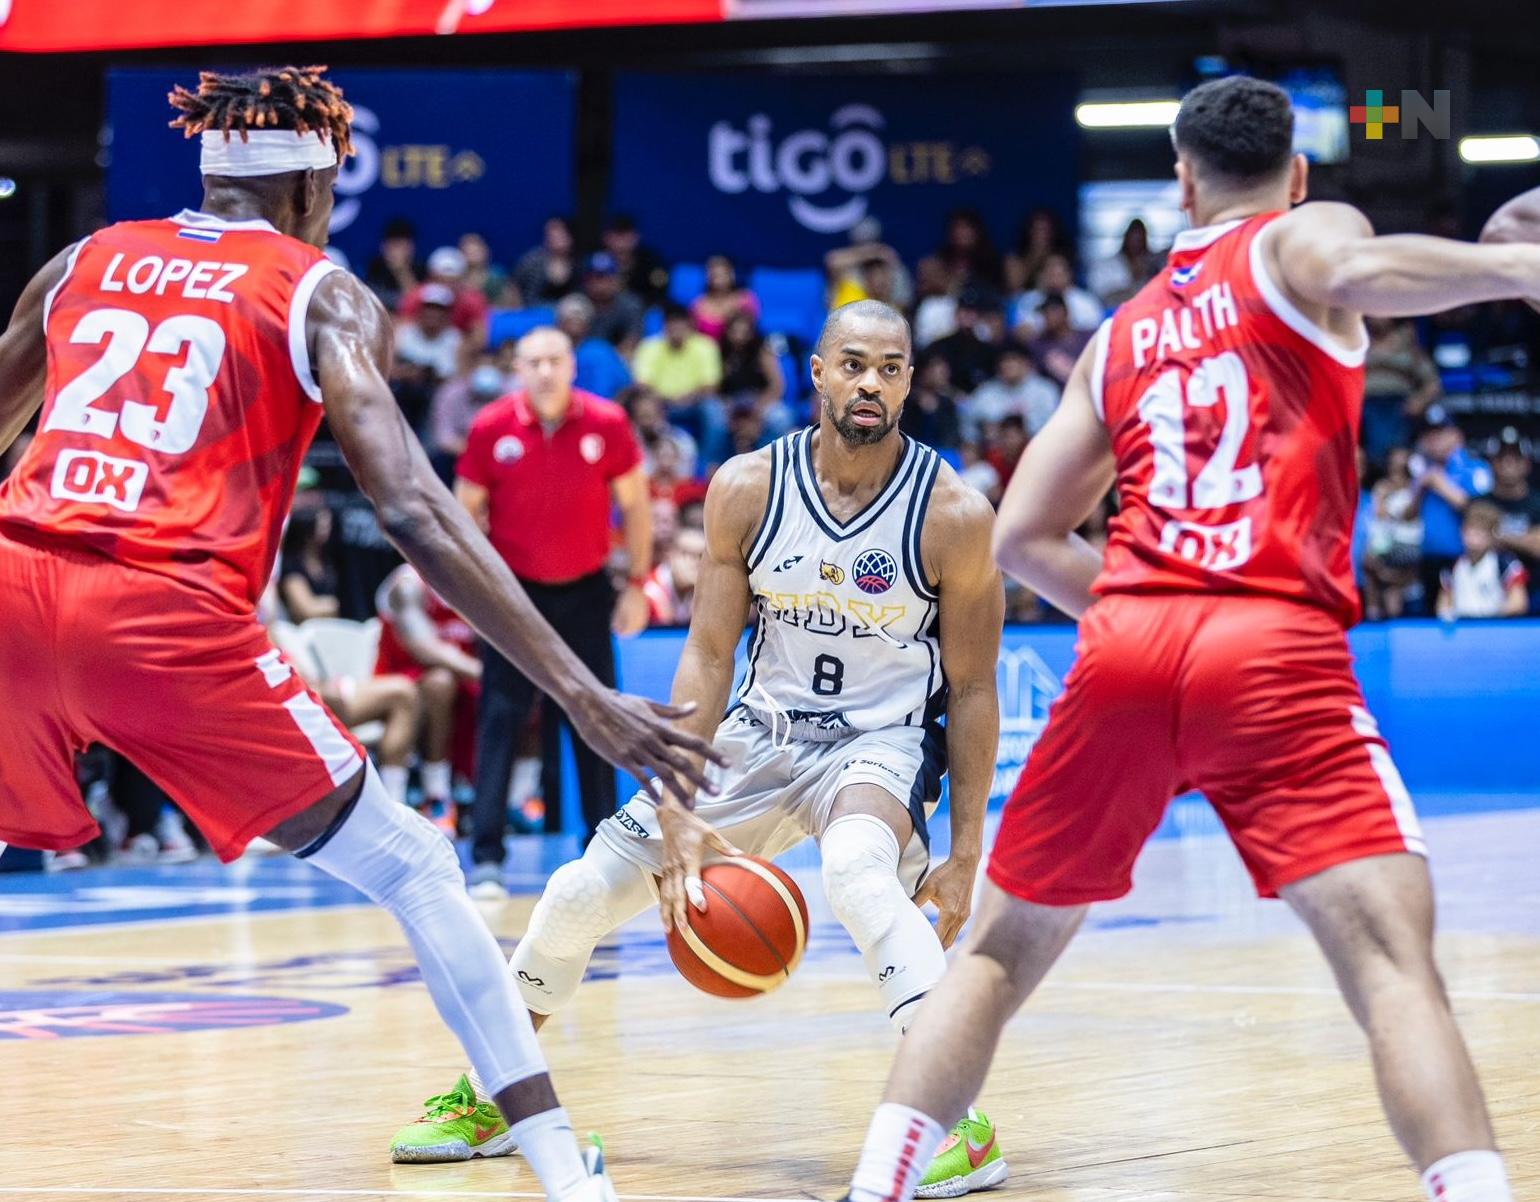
pixel 641 737
pixel 950 889
pixel 686 839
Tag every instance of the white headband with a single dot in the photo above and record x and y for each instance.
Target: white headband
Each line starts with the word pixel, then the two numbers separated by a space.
pixel 264 152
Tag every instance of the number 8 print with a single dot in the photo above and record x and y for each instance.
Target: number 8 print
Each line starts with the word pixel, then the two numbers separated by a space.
pixel 128 336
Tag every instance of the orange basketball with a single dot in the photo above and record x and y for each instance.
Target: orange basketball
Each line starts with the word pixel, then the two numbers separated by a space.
pixel 751 934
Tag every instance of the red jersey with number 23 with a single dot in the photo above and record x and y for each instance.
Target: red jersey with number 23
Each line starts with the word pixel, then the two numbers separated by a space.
pixel 179 401
pixel 1234 421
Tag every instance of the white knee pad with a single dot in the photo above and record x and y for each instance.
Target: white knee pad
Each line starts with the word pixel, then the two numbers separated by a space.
pixel 860 876
pixel 584 901
pixel 860 879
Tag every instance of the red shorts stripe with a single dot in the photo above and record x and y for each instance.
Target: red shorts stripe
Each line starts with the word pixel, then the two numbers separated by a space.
pixel 189 690
pixel 1251 700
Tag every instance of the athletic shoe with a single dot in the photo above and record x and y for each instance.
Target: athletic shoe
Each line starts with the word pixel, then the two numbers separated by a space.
pixel 176 845
pixel 143 848
pixel 593 1162
pixel 486 883
pixel 442 814
pixel 969 1159
pixel 65 861
pixel 454 1126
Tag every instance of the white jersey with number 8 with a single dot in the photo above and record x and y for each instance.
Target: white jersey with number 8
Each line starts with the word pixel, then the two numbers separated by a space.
pixel 846 634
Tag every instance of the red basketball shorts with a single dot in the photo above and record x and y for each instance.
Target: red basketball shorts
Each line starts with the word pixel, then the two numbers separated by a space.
pixel 187 688
pixel 1248 699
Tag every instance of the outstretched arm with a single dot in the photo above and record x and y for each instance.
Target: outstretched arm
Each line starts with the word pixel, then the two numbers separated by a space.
pixel 24 353
pixel 350 335
pixel 1328 255
pixel 1065 471
pixel 704 678
pixel 972 607
pixel 1516 221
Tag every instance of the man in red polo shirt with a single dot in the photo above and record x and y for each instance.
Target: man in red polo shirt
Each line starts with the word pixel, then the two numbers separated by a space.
pixel 541 472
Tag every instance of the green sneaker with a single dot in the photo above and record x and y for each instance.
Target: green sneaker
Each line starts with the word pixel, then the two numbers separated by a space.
pixel 454 1126
pixel 969 1159
pixel 593 1165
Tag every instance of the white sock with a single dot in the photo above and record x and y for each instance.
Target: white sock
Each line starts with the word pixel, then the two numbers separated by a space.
pixel 525 781
pixel 437 783
pixel 393 777
pixel 547 1142
pixel 899 1145
pixel 1468 1177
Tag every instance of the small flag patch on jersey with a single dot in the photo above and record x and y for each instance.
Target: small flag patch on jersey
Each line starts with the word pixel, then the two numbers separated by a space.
pixel 200 235
pixel 1186 275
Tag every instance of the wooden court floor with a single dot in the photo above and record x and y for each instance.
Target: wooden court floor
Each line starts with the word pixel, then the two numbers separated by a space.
pixel 1189 1047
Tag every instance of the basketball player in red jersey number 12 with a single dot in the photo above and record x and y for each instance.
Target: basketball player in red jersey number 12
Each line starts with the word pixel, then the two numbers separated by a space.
pixel 182 366
pixel 1223 401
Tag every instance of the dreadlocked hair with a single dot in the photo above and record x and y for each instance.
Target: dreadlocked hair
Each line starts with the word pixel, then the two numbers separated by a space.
pixel 295 98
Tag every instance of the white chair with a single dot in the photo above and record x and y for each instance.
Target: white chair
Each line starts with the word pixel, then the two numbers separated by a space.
pixel 339 647
pixel 342 647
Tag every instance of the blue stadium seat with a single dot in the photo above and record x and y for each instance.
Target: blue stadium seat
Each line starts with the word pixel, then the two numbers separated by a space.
pixel 793 367
pixel 794 371
pixel 791 301
pixel 652 322
pixel 506 325
pixel 686 281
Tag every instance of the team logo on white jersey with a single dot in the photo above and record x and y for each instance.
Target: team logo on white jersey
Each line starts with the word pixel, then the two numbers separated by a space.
pixel 875 571
pixel 831 572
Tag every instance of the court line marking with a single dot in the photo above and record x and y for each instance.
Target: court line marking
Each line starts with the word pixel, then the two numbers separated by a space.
pixel 86 928
pixel 312 1192
pixel 1469 995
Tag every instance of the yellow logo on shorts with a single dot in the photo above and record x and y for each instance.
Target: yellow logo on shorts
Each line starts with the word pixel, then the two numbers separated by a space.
pixel 833 573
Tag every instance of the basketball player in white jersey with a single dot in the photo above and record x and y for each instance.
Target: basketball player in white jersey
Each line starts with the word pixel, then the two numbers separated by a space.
pixel 878 610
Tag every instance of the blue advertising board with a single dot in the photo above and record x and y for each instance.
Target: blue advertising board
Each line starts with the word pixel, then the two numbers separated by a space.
pixel 1458 704
pixel 776 170
pixel 452 151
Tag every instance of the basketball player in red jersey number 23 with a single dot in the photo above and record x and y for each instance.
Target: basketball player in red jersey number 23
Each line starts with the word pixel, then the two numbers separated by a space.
pixel 1223 401
pixel 182 366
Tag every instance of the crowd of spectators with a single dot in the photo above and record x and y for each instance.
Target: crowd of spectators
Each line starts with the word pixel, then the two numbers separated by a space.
pixel 997 333
pixel 1449 522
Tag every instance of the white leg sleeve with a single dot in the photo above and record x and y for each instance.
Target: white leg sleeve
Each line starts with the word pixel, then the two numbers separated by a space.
pixel 395 857
pixel 860 879
pixel 584 901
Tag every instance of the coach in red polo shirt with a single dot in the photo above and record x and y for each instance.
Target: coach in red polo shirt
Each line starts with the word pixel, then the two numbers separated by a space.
pixel 542 470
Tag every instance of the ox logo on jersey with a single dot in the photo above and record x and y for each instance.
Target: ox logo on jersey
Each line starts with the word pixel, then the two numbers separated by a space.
pixel 875 571
pixel 831 572
pixel 1186 275
pixel 507 449
pixel 591 447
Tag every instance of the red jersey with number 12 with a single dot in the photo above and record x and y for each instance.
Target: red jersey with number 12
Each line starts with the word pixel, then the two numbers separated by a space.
pixel 179 401
pixel 1234 422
